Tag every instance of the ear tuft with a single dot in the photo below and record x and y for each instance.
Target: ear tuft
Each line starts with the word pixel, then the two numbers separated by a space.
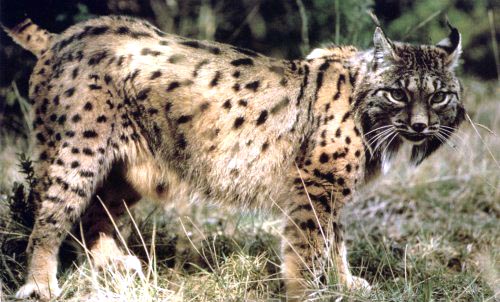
pixel 453 47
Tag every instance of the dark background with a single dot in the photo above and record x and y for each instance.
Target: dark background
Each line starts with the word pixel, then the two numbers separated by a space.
pixel 272 27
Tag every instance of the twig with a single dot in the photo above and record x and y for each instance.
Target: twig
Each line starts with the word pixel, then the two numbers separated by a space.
pixel 482 140
pixel 494 44
pixel 421 24
pixel 305 26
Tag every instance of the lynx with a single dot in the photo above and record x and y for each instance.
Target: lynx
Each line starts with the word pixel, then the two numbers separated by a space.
pixel 123 110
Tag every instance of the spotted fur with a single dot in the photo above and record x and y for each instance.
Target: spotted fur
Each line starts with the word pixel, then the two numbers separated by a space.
pixel 123 110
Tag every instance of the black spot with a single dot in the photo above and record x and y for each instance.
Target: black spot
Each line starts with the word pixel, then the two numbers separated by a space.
pixel 340 181
pixel 75 150
pixel 227 104
pixel 236 74
pixel 238 122
pixel 160 188
pixel 95 87
pixel 215 79
pixel 346 191
pixel 282 104
pixel 152 111
pixel 173 85
pixel 240 62
pixel 98 30
pixel 348 140
pixel 69 92
pixel 53 117
pixel 89 134
pixel 168 106
pixel 323 158
pixel 143 94
pixel 357 153
pixel 262 118
pixel 74 74
pixel 184 119
pixel 253 85
pixel 147 51
pixel 75 164
pixel 181 141
pixel 107 79
pixel 340 81
pixel 41 138
pixel 175 58
pixel 70 133
pixel 76 118
pixel 88 151
pixel 242 103
pixel 308 225
pixel 155 75
pixel 97 58
pixel 265 146
pixel 204 106
pixel 236 87
pixel 56 100
pixel 62 119
pixel 43 155
pixel 338 133
pixel 86 174
pixel 198 66
pixel 346 116
pixel 245 51
pixel 195 44
pixel 88 106
pixel 122 30
pixel 101 119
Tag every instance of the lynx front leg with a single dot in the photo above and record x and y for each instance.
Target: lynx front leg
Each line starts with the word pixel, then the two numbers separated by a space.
pixel 313 246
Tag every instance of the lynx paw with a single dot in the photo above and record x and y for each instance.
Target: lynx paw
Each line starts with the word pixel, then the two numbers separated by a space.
pixel 38 290
pixel 357 283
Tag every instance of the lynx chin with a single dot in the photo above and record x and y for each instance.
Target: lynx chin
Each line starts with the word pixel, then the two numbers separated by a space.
pixel 123 110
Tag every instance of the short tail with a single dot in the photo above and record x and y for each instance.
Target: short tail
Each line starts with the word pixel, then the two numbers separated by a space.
pixel 30 37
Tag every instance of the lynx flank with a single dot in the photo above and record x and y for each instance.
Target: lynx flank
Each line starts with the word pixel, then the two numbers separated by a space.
pixel 123 110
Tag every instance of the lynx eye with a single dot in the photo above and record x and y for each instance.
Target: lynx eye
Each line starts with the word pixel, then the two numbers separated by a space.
pixel 439 98
pixel 396 96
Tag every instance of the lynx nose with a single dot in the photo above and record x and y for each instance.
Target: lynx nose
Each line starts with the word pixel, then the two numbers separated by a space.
pixel 418 127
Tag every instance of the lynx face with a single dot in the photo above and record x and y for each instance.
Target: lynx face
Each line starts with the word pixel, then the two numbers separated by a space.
pixel 411 95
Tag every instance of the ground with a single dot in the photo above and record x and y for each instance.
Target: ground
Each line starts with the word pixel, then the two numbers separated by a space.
pixel 417 234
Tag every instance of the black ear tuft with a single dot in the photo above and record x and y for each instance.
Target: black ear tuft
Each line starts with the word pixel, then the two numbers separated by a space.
pixel 452 45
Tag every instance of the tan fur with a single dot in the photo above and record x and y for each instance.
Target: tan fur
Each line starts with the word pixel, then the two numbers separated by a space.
pixel 124 110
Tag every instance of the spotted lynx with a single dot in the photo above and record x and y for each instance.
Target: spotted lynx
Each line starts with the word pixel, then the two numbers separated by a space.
pixel 123 111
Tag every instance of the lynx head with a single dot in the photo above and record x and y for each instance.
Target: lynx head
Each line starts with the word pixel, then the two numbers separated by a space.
pixel 409 94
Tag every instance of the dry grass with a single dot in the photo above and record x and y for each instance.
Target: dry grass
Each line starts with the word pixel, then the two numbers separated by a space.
pixel 424 234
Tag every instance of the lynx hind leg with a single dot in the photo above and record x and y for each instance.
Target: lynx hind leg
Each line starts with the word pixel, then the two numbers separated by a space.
pixel 63 193
pixel 103 216
pixel 72 153
pixel 313 246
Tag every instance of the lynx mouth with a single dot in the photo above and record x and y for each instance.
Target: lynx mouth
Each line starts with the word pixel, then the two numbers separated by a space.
pixel 415 138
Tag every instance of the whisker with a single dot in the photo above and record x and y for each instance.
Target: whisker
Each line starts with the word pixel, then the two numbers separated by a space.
pixel 383 139
pixel 448 127
pixel 378 135
pixel 379 128
pixel 389 143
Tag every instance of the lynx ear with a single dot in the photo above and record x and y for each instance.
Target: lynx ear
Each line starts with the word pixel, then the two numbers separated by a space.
pixel 453 47
pixel 384 48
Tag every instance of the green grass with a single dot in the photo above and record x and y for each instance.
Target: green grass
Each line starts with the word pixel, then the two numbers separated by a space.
pixel 417 234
